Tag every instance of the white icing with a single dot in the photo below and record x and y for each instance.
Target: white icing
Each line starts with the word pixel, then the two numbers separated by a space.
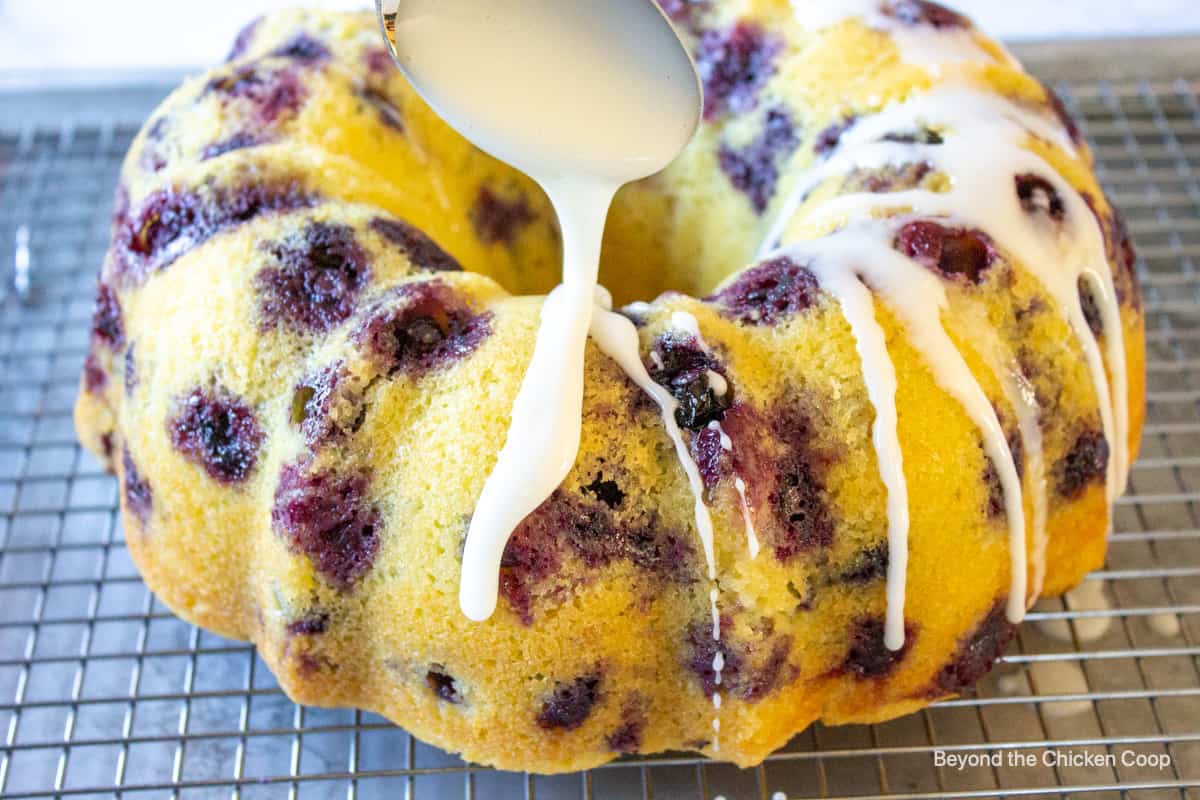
pixel 1164 624
pixel 542 442
pixel 1051 678
pixel 1087 596
pixel 722 436
pixel 880 378
pixel 981 153
pixel 716 628
pixel 688 323
pixel 1012 684
pixel 916 296
pixel 583 97
pixel 747 518
pixel 639 307
pixel 718 666
pixel 717 382
pixel 617 338
pixel 1023 398
pixel 1060 678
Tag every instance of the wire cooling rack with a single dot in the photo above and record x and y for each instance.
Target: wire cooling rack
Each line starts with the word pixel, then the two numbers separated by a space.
pixel 103 693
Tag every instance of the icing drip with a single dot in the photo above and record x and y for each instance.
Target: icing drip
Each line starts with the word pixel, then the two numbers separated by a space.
pixel 718 666
pixel 617 338
pixel 977 123
pixel 547 415
pixel 917 298
pixel 688 323
pixel 1164 624
pixel 747 518
pixel 880 377
pixel 1023 399
pixel 972 123
pixel 1052 678
pixel 1087 596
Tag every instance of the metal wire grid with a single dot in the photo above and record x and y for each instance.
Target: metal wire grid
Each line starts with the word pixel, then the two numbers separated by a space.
pixel 103 693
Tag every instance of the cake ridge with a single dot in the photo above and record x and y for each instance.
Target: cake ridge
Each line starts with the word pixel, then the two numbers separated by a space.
pixel 808 415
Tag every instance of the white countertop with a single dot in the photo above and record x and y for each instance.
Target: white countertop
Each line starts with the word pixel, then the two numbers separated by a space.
pixel 113 36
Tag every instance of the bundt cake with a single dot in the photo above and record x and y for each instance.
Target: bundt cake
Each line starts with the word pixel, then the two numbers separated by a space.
pixel 889 388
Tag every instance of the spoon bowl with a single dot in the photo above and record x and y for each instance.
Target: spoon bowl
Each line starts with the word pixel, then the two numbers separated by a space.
pixel 553 87
pixel 583 96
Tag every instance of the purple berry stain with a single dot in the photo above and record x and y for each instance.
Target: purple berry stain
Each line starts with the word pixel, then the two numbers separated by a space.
pixel 107 326
pixel 153 157
pixel 272 93
pixel 217 431
pixel 1086 463
pixel 423 252
pixel 443 685
pixel 421 326
pixel 768 293
pixel 734 65
pixel 570 704
pixel 499 220
pixel 828 139
pixel 384 108
pixel 954 253
pixel 131 371
pixel 238 141
pixel 326 406
pixel 868 657
pixel 315 280
pixel 870 565
pixel 754 169
pixel 139 499
pixel 312 623
pixel 169 222
pixel 798 499
pixel 627 738
pixel 686 371
pixel 302 47
pixel 977 652
pixel 1091 309
pixel 327 517
pixel 94 376
pixel 1038 196
pixel 742 676
pixel 569 525
pixel 923 12
pixel 991 476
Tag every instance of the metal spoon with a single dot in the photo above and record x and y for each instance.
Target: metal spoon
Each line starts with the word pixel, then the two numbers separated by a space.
pixel 584 96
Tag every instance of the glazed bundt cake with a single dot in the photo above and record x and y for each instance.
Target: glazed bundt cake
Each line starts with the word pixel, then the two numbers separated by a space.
pixel 890 385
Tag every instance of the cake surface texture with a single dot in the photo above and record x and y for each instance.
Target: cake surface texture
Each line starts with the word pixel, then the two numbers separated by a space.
pixel 896 321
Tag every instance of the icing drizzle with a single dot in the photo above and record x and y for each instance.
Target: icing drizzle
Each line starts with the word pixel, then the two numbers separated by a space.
pixel 981 152
pixel 981 149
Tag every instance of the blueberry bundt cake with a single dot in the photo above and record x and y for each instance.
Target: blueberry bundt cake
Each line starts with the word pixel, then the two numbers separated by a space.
pixel 889 388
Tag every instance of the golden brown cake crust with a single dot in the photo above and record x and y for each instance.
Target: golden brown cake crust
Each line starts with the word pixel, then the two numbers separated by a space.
pixel 313 320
